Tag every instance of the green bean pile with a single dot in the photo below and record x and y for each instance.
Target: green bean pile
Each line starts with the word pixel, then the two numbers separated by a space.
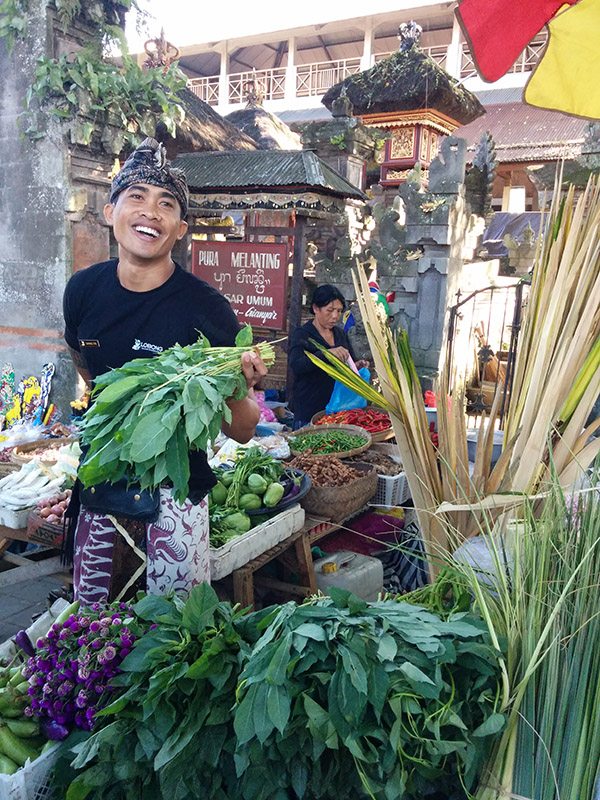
pixel 335 441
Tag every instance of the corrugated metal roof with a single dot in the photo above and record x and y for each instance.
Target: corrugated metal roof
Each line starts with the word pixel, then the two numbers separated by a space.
pixel 304 115
pixel 264 169
pixel 525 133
pixel 492 96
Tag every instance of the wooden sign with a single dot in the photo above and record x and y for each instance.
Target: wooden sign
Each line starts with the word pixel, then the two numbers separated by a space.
pixel 251 275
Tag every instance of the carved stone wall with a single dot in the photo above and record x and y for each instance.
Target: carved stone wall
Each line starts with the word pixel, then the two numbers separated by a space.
pixel 420 246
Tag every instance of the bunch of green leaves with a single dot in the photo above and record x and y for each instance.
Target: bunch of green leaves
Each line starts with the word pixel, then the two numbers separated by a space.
pixel 134 99
pixel 344 699
pixel 448 594
pixel 13 21
pixel 150 412
pixel 334 698
pixel 170 733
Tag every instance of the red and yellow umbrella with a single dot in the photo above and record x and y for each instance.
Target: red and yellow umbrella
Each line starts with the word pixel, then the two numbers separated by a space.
pixel 567 77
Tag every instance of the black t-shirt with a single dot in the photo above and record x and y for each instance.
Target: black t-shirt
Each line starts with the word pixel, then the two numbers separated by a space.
pixel 312 386
pixel 110 325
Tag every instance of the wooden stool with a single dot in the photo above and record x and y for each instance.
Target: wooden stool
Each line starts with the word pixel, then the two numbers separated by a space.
pixel 244 578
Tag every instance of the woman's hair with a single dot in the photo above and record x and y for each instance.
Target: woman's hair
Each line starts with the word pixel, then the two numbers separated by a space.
pixel 326 294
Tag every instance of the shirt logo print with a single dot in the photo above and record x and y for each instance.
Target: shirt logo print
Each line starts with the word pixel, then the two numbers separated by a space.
pixel 151 348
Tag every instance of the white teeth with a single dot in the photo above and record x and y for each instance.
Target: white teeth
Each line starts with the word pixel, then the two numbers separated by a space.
pixel 143 229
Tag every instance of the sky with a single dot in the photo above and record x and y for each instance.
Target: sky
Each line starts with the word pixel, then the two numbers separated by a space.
pixel 191 22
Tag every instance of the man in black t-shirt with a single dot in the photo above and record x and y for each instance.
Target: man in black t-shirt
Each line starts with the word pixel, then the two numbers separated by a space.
pixel 140 304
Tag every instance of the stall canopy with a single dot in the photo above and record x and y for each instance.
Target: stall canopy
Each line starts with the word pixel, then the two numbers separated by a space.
pixel 295 180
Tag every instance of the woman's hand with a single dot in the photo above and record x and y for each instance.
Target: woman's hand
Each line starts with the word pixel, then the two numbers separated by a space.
pixel 363 363
pixel 340 352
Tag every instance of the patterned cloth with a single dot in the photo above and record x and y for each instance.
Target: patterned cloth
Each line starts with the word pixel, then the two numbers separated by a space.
pixel 148 164
pixel 176 547
pixel 405 568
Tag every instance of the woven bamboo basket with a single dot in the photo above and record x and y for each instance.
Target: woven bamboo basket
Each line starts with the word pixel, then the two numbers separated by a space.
pixel 337 502
pixel 354 430
pixel 22 453
pixel 379 436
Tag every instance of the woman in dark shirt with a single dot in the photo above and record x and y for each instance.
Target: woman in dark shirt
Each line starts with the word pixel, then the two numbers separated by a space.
pixel 312 386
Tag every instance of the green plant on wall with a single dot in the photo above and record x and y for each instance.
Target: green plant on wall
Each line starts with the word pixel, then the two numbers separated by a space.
pixel 88 89
pixel 339 140
pixel 132 98
pixel 13 21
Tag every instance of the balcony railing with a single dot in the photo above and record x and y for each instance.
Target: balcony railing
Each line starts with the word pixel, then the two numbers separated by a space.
pixel 438 52
pixel 272 82
pixel 525 63
pixel 315 79
pixel 206 89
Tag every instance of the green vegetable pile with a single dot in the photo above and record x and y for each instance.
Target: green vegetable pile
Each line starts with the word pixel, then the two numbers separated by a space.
pixel 20 736
pixel 332 698
pixel 150 412
pixel 254 482
pixel 335 441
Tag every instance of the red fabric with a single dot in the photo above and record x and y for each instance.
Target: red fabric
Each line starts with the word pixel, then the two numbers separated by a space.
pixel 499 30
pixel 366 535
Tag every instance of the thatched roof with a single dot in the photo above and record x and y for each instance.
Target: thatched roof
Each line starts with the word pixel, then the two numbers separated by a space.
pixel 407 80
pixel 265 128
pixel 202 129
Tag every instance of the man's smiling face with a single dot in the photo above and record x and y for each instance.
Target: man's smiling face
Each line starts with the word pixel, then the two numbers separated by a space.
pixel 146 222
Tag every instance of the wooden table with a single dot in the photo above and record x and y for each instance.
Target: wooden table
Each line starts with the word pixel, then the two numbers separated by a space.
pixel 27 569
pixel 295 555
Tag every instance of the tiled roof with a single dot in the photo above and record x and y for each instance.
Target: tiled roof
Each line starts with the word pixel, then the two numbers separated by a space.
pixel 525 133
pixel 276 170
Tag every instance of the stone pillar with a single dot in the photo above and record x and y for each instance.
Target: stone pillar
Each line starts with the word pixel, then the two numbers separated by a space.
pixel 290 72
pixel 34 239
pixel 342 142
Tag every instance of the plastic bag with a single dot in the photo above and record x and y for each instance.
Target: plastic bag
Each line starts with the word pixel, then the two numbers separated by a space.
pixel 343 399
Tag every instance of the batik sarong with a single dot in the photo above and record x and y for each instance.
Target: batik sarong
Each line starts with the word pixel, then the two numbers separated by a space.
pixel 172 553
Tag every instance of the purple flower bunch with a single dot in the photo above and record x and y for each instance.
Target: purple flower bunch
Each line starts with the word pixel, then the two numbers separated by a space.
pixel 70 674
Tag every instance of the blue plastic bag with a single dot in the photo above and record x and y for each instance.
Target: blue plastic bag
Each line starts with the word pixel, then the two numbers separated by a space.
pixel 343 399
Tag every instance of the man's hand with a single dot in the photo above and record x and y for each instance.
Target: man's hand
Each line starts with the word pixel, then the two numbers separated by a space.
pixel 245 413
pixel 254 368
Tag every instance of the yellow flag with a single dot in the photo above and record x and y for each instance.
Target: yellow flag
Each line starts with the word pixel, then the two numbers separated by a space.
pixel 568 76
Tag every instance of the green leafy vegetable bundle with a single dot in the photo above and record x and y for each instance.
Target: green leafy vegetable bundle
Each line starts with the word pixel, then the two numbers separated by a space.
pixel 346 699
pixel 170 734
pixel 150 412
pixel 331 699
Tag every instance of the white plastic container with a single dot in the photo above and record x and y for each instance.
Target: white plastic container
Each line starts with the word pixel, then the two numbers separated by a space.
pixel 15 519
pixel 392 490
pixel 361 575
pixel 32 782
pixel 239 551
